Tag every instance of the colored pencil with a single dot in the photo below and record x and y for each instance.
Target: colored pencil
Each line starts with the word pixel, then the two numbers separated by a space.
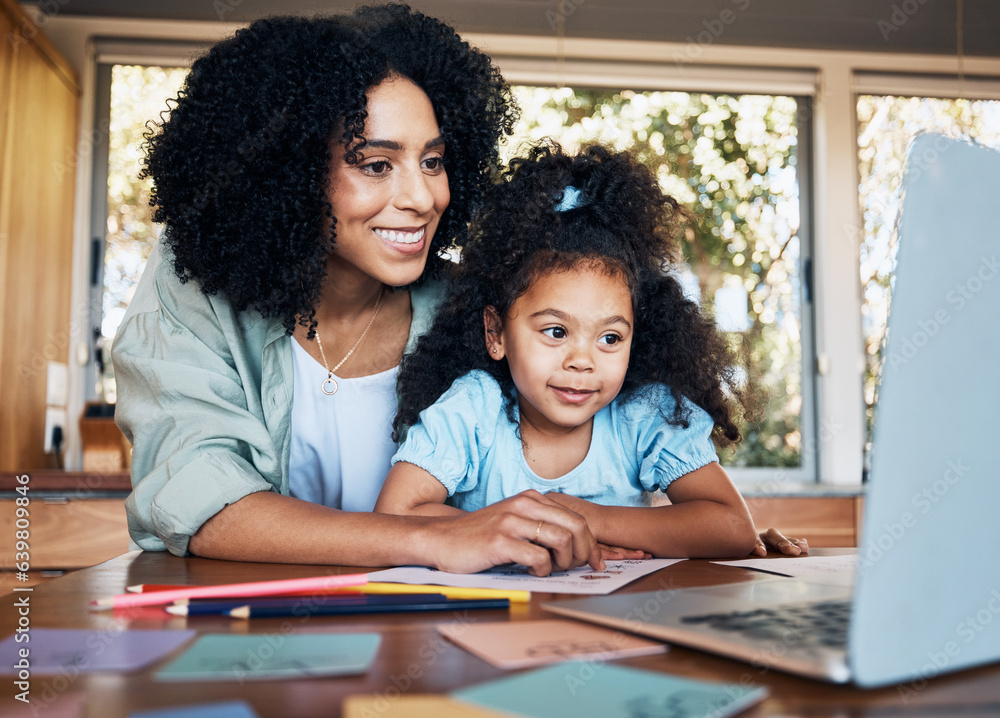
pixel 243 590
pixel 375 587
pixel 347 610
pixel 305 606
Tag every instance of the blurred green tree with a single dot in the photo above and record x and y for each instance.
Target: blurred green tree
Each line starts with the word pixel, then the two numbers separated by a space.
pixel 732 161
pixel 886 127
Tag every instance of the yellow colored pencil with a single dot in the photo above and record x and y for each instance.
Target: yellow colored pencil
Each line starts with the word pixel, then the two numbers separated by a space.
pixel 449 591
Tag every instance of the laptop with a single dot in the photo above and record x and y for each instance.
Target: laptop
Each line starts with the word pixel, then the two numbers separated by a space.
pixel 926 592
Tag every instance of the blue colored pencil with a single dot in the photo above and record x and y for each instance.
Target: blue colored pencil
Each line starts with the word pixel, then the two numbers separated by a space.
pixel 302 605
pixel 248 611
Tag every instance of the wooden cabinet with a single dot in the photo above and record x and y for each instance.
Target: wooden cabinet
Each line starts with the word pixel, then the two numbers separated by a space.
pixel 75 519
pixel 826 521
pixel 68 533
pixel 39 154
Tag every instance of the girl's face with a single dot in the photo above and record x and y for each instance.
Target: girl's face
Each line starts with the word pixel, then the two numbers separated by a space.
pixel 567 342
pixel 389 204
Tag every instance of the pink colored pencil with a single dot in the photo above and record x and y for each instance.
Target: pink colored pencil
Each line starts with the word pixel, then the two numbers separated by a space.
pixel 243 590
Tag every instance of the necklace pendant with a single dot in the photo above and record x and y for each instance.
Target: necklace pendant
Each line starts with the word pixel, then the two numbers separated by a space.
pixel 333 382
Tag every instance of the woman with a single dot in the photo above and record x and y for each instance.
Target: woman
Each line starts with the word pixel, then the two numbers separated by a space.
pixel 309 177
pixel 301 181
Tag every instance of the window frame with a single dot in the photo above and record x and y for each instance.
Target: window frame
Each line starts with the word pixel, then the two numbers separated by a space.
pixel 834 215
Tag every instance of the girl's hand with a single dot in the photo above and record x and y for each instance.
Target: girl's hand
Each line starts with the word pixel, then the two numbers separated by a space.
pixel 617 553
pixel 776 541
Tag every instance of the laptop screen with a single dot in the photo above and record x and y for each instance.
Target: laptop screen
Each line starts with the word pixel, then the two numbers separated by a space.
pixel 928 588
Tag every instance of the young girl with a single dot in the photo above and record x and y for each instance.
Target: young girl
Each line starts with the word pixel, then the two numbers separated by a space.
pixel 566 360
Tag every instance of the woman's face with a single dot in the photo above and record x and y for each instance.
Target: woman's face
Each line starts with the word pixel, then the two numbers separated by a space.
pixel 389 204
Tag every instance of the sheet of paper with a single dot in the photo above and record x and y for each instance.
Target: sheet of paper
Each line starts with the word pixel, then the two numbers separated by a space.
pixel 523 644
pixel 574 689
pixel 61 651
pixel 233 657
pixel 832 570
pixel 225 709
pixel 516 577
pixel 414 706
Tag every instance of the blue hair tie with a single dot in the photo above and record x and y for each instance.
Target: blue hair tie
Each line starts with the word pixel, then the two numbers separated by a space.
pixel 570 199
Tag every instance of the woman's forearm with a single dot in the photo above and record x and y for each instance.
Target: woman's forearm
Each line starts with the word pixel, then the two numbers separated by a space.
pixel 269 527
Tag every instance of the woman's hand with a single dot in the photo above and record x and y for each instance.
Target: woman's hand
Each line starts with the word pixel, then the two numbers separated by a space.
pixel 528 528
pixel 776 541
pixel 589 510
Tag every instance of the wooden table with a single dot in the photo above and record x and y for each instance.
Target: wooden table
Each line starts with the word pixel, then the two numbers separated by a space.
pixel 413 658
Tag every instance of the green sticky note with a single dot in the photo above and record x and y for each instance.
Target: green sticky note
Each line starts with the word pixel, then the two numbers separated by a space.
pixel 573 689
pixel 226 657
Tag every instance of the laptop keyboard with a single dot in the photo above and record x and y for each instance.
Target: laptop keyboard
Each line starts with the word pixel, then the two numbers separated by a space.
pixel 823 623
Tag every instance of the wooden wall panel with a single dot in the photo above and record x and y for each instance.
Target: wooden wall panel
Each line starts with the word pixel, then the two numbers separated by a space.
pixel 37 175
pixel 68 534
pixel 6 71
pixel 827 521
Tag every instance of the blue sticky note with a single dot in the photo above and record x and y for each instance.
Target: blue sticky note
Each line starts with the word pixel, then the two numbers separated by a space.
pixel 225 709
pixel 229 657
pixel 574 689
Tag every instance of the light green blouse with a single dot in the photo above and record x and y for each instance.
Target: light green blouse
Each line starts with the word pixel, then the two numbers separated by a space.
pixel 205 397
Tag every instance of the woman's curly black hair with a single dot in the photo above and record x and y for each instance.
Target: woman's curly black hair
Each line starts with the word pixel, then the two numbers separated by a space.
pixel 240 167
pixel 623 221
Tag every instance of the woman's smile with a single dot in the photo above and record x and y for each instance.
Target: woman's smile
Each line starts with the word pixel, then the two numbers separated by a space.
pixel 411 239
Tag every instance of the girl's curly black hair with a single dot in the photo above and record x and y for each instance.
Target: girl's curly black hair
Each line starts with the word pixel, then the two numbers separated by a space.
pixel 240 167
pixel 623 221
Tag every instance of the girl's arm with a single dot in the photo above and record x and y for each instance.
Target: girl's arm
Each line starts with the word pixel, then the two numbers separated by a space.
pixel 707 518
pixel 410 490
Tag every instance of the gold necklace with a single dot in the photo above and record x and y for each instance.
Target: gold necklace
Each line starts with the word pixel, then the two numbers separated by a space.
pixel 329 379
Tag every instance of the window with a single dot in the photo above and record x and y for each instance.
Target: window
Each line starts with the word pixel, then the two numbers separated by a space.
pixel 138 94
pixel 733 159
pixel 887 125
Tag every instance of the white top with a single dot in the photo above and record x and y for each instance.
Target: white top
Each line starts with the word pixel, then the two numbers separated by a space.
pixel 325 466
